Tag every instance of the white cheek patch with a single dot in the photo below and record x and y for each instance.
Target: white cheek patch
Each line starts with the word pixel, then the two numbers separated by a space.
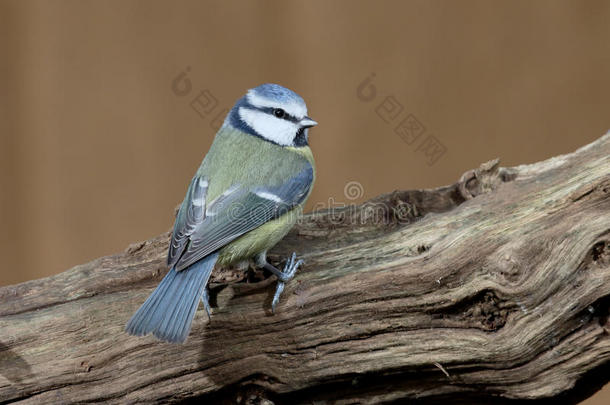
pixel 295 109
pixel 269 127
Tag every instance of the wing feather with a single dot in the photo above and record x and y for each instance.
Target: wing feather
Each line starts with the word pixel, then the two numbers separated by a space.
pixel 190 216
pixel 240 210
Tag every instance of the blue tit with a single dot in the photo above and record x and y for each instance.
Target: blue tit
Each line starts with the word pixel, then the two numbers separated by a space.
pixel 246 195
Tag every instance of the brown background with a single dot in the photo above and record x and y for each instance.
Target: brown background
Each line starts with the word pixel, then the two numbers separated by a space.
pixel 97 150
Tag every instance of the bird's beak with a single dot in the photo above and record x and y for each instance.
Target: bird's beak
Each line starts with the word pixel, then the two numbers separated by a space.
pixel 307 122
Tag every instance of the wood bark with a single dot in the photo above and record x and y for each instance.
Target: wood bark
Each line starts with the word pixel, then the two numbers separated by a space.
pixel 494 288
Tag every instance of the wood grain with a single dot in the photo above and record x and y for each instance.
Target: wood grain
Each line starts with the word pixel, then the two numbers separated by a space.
pixel 496 287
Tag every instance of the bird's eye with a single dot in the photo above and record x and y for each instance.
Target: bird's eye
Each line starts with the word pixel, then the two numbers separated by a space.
pixel 278 112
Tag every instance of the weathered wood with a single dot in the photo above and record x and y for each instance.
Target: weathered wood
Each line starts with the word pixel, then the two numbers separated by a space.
pixel 497 286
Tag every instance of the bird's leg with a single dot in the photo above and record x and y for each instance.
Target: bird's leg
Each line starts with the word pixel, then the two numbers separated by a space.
pixel 205 299
pixel 283 276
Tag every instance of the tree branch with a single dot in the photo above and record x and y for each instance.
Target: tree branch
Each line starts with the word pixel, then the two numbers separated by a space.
pixel 495 287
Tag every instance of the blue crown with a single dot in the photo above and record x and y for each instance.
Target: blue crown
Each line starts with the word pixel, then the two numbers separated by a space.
pixel 274 91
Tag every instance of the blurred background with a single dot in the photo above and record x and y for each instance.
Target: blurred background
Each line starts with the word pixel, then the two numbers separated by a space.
pixel 108 107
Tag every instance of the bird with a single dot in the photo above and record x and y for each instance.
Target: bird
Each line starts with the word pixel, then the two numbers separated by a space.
pixel 246 195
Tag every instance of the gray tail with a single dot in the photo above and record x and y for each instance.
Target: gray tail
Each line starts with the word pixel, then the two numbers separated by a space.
pixel 169 310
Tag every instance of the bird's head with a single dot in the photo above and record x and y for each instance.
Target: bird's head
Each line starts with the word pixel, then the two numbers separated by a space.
pixel 274 113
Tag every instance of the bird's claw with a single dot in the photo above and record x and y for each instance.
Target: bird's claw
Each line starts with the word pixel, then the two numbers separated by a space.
pixel 206 302
pixel 290 269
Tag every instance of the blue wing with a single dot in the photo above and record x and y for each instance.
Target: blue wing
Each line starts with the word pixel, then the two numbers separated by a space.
pixel 240 210
pixel 190 216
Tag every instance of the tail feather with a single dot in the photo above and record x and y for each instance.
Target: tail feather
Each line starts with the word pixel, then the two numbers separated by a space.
pixel 179 313
pixel 169 311
pixel 141 325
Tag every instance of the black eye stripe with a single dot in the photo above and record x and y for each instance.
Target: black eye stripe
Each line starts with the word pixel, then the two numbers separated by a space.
pixel 287 117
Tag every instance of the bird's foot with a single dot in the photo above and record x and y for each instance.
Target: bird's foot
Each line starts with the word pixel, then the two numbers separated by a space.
pixel 290 269
pixel 205 299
